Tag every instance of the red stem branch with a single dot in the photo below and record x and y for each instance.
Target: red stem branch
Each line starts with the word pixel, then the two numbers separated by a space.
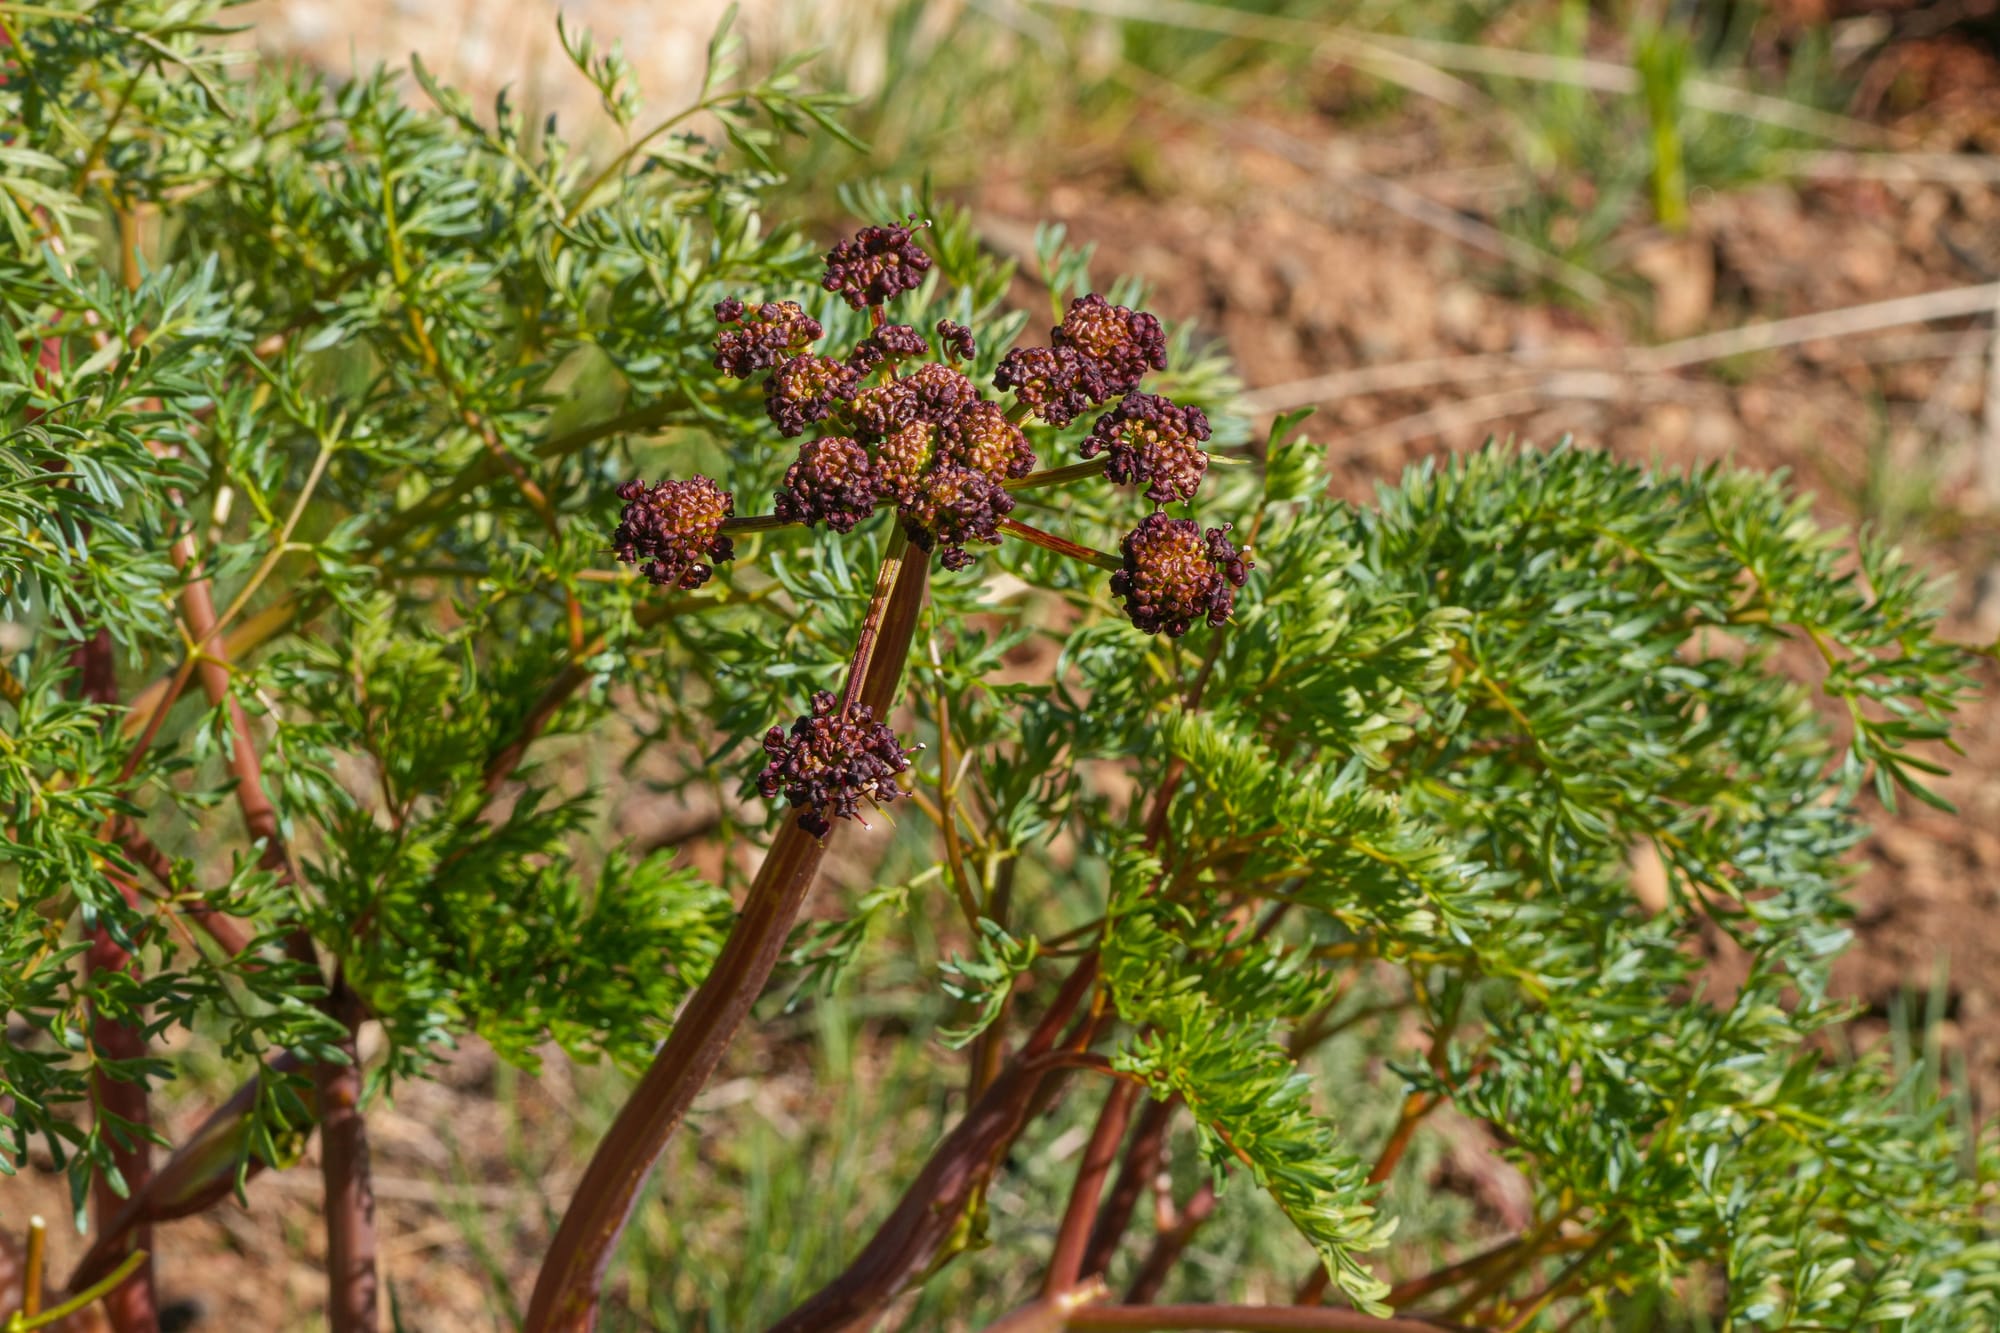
pixel 132 1306
pixel 1073 1238
pixel 931 1209
pixel 352 1298
pixel 567 1290
pixel 1142 1163
pixel 1170 1245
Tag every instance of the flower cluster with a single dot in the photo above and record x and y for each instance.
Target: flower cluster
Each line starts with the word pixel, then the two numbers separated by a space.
pixel 1154 440
pixel 1176 574
pixel 892 342
pixel 923 440
pixel 898 429
pixel 674 528
pixel 761 338
pixel 1122 344
pixel 876 264
pixel 1099 351
pixel 832 482
pixel 806 389
pixel 830 762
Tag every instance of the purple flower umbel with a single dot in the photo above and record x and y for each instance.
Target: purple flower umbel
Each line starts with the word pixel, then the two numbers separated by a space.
pixel 1154 440
pixel 806 389
pixel 761 338
pixel 1124 343
pixel 672 530
pixel 1176 574
pixel 875 265
pixel 829 763
pixel 1057 383
pixel 832 483
pixel 956 505
pixel 891 342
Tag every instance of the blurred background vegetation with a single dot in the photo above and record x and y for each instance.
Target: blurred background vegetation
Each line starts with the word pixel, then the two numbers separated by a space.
pixel 1671 229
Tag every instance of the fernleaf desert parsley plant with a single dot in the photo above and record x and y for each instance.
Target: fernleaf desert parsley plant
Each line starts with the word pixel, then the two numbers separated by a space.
pixel 327 498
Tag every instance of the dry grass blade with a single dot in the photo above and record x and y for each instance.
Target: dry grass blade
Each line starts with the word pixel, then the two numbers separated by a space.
pixel 1950 303
pixel 1913 168
pixel 1581 376
pixel 1361 50
pixel 1989 435
pixel 1436 421
pixel 1374 51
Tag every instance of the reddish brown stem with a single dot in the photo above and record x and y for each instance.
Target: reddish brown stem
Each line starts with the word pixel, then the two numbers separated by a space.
pixel 1170 1245
pixel 132 1307
pixel 1142 1163
pixel 932 1208
pixel 352 1301
pixel 348 1187
pixel 1073 1238
pixel 567 1289
pixel 141 852
pixel 1048 541
pixel 872 623
pixel 201 1173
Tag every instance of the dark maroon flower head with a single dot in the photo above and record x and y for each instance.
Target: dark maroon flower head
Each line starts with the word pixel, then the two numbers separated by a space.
pixel 955 506
pixel 941 393
pixel 930 392
pixel 882 409
pixel 982 439
pixel 832 483
pixel 876 264
pixel 891 342
pixel 1175 574
pixel 761 338
pixel 672 530
pixel 901 460
pixel 956 340
pixel 829 763
pixel 1125 343
pixel 1057 383
pixel 806 389
pixel 1152 440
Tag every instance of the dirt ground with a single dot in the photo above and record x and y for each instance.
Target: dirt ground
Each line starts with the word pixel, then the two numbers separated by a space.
pixel 1308 280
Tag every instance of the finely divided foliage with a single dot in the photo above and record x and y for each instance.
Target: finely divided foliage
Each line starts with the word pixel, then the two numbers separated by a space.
pixel 358 446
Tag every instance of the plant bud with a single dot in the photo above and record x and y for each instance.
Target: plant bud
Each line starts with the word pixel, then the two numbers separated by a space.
pixel 806 389
pixel 1175 574
pixel 1124 343
pixel 762 338
pixel 875 265
pixel 1056 383
pixel 828 764
pixel 832 483
pixel 1152 440
pixel 672 530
